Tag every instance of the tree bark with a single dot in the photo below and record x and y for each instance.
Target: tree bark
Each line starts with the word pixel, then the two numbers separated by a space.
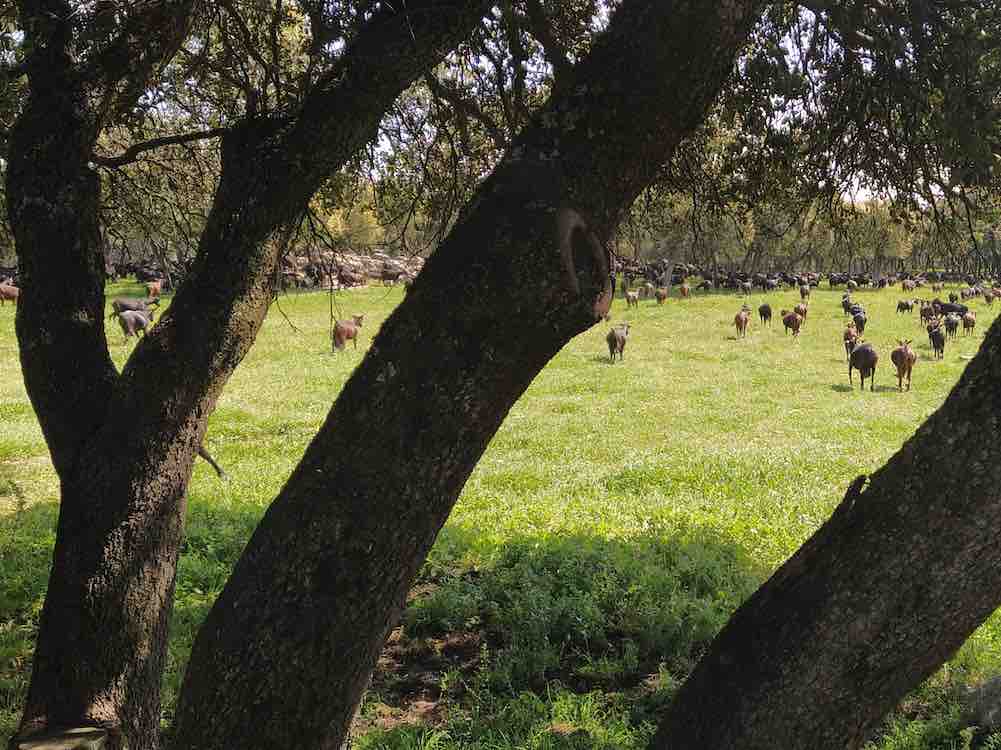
pixel 124 445
pixel 290 644
pixel 883 593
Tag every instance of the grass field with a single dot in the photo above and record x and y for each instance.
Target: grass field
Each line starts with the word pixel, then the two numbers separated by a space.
pixel 618 517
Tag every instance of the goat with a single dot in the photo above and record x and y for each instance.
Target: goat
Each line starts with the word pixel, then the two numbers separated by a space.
pixel 791 320
pixel 616 339
pixel 859 320
pixel 740 320
pixel 632 299
pixel 905 306
pixel 765 313
pixel 804 291
pixel 153 288
pixel 936 338
pixel 8 292
pixel 951 325
pixel 684 290
pixel 346 329
pixel 661 294
pixel 863 358
pixel 134 322
pixel 969 322
pixel 850 336
pixel 903 358
pixel 800 310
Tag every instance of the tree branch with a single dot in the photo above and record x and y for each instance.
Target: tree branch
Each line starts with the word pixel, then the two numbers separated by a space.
pixel 542 30
pixel 467 106
pixel 136 149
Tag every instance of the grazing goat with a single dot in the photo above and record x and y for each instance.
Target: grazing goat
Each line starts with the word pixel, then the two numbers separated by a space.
pixel 8 292
pixel 616 339
pixel 863 358
pixel 859 320
pixel 903 358
pixel 951 325
pixel 661 294
pixel 905 306
pixel 850 337
pixel 740 320
pixel 969 322
pixel 134 322
pixel 344 330
pixel 632 299
pixel 791 320
pixel 765 313
pixel 936 338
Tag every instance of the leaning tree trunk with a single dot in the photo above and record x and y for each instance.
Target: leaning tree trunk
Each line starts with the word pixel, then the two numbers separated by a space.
pixel 877 599
pixel 124 445
pixel 286 651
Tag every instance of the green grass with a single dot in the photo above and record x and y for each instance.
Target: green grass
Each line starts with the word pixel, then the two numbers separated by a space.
pixel 618 517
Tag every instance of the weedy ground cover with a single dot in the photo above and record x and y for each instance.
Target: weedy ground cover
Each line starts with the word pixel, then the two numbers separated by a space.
pixel 618 517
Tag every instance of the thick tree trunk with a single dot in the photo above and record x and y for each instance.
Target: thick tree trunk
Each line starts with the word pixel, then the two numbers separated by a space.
pixel 877 599
pixel 289 646
pixel 124 446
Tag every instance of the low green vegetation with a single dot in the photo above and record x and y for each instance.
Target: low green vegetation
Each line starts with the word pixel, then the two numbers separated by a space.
pixel 619 516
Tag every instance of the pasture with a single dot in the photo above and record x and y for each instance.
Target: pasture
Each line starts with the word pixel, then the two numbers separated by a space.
pixel 618 517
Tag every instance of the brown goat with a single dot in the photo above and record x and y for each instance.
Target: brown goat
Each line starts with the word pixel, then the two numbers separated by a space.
pixel 616 339
pixel 800 310
pixel 661 295
pixel 903 358
pixel 8 292
pixel 632 299
pixel 153 288
pixel 791 320
pixel 740 320
pixel 346 329
pixel 969 322
pixel 850 337
pixel 684 290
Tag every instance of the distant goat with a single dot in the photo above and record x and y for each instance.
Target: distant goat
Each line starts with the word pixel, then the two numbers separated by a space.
pixel 765 313
pixel 121 304
pixel 800 310
pixel 346 329
pixel 850 336
pixel 616 339
pixel 905 305
pixel 863 358
pixel 936 338
pixel 661 294
pixel 632 299
pixel 903 358
pixel 134 322
pixel 740 320
pixel 951 325
pixel 859 320
pixel 8 292
pixel 804 291
pixel 153 288
pixel 969 322
pixel 791 320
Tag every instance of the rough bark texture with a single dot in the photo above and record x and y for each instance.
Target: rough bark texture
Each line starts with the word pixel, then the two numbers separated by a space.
pixel 124 445
pixel 881 595
pixel 294 636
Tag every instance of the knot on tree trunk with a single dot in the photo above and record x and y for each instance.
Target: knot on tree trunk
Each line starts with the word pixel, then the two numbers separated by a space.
pixel 585 260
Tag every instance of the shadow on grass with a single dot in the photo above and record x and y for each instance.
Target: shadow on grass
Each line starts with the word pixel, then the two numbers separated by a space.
pixel 487 623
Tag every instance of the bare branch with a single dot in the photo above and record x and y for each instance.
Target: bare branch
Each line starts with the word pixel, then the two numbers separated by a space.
pixel 132 152
pixel 542 30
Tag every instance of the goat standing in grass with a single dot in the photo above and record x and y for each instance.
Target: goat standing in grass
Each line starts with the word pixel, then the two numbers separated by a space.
pixel 344 330
pixel 863 358
pixel 903 358
pixel 616 339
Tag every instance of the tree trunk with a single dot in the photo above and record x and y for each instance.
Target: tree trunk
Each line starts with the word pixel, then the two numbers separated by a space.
pixel 881 595
pixel 124 446
pixel 326 573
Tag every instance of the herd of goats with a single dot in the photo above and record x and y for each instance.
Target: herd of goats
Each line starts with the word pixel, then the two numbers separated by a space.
pixel 653 280
pixel 940 319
